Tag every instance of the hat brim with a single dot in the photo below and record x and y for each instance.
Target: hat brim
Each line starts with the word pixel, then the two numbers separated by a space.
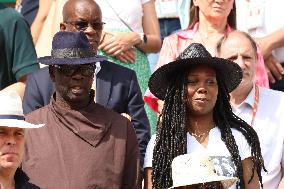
pixel 226 181
pixel 160 80
pixel 18 124
pixel 49 60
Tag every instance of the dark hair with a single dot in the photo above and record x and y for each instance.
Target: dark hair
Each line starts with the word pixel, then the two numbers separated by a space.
pixel 225 37
pixel 171 140
pixel 194 16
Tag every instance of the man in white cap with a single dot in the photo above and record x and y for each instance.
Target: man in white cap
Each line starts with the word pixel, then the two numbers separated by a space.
pixel 12 140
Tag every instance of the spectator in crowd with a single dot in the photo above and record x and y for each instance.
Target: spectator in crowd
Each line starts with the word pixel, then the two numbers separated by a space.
pixel 13 130
pixel 209 21
pixel 197 171
pixel 259 19
pixel 116 86
pixel 129 34
pixel 168 17
pixel 17 55
pixel 260 107
pixel 125 39
pixel 87 145
pixel 197 117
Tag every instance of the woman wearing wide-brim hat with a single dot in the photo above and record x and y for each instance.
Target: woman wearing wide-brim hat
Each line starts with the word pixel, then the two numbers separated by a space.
pixel 197 117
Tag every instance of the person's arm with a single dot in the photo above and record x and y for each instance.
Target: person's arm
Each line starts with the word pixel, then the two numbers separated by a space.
pixel 120 44
pixel 247 173
pixel 281 184
pixel 37 25
pixel 271 42
pixel 136 110
pixel 32 99
pixel 18 42
pixel 267 44
pixel 131 166
pixel 151 29
pixel 19 87
pixel 148 178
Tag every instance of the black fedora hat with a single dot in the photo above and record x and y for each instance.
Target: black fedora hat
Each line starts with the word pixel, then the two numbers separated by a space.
pixel 195 54
pixel 71 48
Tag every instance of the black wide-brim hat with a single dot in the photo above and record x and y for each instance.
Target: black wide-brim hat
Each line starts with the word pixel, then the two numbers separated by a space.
pixel 71 48
pixel 194 55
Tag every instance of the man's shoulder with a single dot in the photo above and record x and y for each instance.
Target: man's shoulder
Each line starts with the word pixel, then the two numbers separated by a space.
pixel 271 99
pixel 42 72
pixel 10 15
pixel 37 115
pixel 109 114
pixel 270 94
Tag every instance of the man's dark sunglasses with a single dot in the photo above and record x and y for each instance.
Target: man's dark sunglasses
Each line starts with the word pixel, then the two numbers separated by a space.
pixel 83 25
pixel 85 69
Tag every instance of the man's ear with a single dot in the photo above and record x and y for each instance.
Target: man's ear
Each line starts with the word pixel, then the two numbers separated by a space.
pixel 51 70
pixel 62 26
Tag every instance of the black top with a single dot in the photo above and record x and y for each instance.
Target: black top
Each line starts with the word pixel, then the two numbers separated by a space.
pixel 22 181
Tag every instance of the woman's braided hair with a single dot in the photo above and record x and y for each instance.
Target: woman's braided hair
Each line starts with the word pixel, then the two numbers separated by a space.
pixel 171 140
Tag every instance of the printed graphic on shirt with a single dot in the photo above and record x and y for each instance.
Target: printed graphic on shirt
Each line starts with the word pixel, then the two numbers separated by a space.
pixel 224 166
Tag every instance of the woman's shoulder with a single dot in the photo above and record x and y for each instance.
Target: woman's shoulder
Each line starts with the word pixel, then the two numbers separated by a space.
pixel 186 34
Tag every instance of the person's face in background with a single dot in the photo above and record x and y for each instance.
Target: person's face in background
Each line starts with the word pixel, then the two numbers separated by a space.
pixel 214 10
pixel 202 90
pixel 84 16
pixel 12 140
pixel 238 49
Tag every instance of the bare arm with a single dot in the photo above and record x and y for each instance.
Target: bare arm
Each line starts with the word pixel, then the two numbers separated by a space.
pixel 271 42
pixel 151 28
pixel 119 44
pixel 267 44
pixel 148 178
pixel 37 25
pixel 19 86
pixel 247 172
pixel 281 184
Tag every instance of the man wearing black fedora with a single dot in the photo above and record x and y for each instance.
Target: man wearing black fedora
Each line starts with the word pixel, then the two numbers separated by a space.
pixel 83 144
pixel 116 86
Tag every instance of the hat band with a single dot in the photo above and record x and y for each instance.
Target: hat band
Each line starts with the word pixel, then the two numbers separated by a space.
pixel 72 53
pixel 12 117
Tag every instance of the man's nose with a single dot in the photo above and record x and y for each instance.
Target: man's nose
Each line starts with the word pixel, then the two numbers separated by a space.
pixel 90 30
pixel 10 140
pixel 240 61
pixel 77 74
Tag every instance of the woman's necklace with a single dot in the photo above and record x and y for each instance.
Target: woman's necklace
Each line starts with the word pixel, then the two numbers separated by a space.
pixel 201 134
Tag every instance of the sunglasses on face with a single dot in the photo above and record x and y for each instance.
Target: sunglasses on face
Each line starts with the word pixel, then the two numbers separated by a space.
pixel 83 25
pixel 85 69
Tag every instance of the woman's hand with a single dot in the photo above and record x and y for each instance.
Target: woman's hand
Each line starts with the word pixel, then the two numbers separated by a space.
pixel 120 45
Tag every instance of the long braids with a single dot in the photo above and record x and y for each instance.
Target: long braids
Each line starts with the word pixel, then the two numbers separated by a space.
pixel 171 140
pixel 171 133
pixel 225 119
